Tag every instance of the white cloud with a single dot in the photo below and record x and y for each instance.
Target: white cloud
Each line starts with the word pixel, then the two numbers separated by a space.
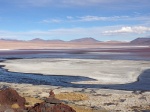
pixel 7 35
pixel 100 18
pixel 91 18
pixel 143 18
pixel 54 33
pixel 69 17
pixel 101 33
pixel 126 30
pixel 51 21
pixel 62 32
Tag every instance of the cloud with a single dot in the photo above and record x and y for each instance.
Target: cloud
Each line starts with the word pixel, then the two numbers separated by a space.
pixel 126 30
pixel 51 21
pixel 53 33
pixel 100 18
pixel 101 33
pixel 114 18
pixel 69 17
pixel 91 18
pixel 7 35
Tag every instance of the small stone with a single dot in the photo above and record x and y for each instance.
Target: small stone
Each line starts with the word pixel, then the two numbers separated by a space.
pixel 9 110
pixel 2 87
pixel 53 101
pixel 51 94
pixel 122 100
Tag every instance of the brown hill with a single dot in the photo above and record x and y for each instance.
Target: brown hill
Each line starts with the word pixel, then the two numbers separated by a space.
pixel 37 40
pixel 38 43
pixel 85 40
pixel 55 41
pixel 141 41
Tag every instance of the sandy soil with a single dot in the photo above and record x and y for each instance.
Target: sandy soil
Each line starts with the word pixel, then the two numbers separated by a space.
pixel 54 45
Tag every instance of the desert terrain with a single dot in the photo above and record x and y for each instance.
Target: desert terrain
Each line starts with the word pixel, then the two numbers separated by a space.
pixel 89 76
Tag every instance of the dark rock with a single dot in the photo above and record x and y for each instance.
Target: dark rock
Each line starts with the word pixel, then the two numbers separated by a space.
pixel 2 87
pixel 44 107
pixel 122 100
pixel 142 98
pixel 51 104
pixel 145 111
pixel 9 96
pixel 52 101
pixel 137 92
pixel 51 94
pixel 108 104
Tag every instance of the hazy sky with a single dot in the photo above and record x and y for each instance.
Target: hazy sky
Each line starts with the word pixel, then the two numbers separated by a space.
pixel 70 19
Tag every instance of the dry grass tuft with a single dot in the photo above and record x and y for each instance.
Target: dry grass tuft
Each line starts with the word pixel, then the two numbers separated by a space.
pixel 31 101
pixel 15 106
pixel 73 96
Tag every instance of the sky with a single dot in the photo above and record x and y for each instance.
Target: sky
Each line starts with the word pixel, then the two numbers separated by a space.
pixel 104 20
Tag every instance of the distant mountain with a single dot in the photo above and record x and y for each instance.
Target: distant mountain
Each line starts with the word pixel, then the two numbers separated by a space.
pixel 37 40
pixel 85 40
pixel 57 40
pixel 42 40
pixel 11 40
pixel 141 41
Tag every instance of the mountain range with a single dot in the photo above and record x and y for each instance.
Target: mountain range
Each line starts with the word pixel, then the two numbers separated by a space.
pixel 137 41
pixel 141 41
pixel 86 40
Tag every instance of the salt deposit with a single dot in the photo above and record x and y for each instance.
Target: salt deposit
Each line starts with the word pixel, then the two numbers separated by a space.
pixel 102 71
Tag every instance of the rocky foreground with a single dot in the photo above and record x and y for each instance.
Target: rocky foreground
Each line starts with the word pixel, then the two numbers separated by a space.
pixel 11 101
pixel 81 100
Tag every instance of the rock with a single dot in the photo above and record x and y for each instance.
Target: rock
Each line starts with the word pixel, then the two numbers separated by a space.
pixel 51 104
pixel 9 96
pixel 108 104
pixel 11 102
pixel 9 110
pixel 52 101
pixel 47 107
pixel 51 94
pixel 2 87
